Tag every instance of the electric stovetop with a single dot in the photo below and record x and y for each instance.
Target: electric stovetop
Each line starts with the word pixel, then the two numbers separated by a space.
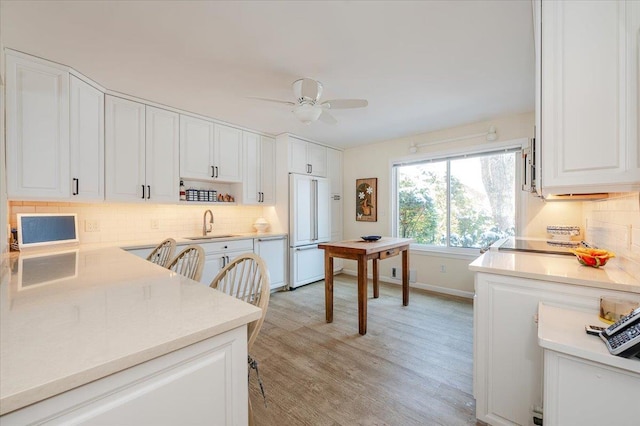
pixel 537 246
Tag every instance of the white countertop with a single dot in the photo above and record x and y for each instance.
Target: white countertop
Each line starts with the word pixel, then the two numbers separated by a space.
pixel 81 314
pixel 557 268
pixel 562 330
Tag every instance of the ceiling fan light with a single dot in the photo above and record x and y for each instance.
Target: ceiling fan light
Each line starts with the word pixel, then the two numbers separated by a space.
pixel 307 113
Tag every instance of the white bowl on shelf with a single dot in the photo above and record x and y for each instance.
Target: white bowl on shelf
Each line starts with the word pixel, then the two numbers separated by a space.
pixel 261 225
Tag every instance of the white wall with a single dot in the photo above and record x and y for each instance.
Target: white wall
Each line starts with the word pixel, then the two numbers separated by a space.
pixel 375 161
pixel 4 247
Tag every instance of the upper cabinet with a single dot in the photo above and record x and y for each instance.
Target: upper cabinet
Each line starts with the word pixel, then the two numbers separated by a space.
pixel 37 96
pixel 209 151
pixel 258 183
pixel 141 147
pixel 86 135
pixel 588 107
pixel 307 158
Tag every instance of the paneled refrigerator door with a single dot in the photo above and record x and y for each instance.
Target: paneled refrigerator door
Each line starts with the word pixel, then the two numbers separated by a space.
pixel 310 214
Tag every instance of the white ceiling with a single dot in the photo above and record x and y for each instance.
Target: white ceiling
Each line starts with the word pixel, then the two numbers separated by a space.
pixel 423 66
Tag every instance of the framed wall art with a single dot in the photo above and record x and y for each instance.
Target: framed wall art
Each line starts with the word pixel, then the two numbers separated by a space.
pixel 367 200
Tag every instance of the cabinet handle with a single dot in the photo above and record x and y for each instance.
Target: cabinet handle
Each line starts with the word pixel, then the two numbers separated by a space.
pixel 216 171
pixel 223 261
pixel 148 192
pixel 228 261
pixel 271 239
pixel 142 192
pixel 213 172
pixel 76 184
pixel 310 168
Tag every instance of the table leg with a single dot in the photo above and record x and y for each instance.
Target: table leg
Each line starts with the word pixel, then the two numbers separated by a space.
pixel 362 295
pixel 328 285
pixel 376 287
pixel 405 277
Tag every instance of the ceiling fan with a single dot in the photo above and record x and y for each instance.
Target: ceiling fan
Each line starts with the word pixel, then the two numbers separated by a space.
pixel 308 107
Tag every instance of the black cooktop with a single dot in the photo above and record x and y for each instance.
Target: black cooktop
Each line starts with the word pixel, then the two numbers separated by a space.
pixel 539 246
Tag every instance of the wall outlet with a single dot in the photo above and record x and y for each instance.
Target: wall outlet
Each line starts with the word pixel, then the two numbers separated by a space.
pixel 413 275
pixel 394 272
pixel 155 224
pixel 91 225
pixel 443 268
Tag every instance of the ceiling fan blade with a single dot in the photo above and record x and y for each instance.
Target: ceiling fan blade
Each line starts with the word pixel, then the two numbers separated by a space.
pixel 310 89
pixel 277 101
pixel 327 118
pixel 345 103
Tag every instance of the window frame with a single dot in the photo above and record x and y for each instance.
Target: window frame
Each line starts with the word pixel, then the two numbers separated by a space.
pixel 448 154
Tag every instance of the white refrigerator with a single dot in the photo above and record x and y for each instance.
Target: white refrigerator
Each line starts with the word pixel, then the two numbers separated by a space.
pixel 309 224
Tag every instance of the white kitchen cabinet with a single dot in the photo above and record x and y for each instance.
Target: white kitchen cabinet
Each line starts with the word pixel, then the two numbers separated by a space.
pixel 37 96
pixel 141 152
pixel 86 136
pixel 203 383
pixel 334 173
pixel 273 251
pixel 196 148
pixel 583 383
pixel 219 254
pixel 258 183
pixel 228 154
pixel 508 362
pixel 334 170
pixel 209 151
pixel 307 158
pixel 307 265
pixel 162 175
pixel 588 77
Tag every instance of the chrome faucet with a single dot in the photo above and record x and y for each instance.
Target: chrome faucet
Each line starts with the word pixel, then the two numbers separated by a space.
pixel 205 231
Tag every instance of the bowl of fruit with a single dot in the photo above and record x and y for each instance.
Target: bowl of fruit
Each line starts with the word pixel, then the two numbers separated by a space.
pixel 592 257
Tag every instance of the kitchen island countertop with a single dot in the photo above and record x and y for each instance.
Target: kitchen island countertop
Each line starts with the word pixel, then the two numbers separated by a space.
pixel 73 315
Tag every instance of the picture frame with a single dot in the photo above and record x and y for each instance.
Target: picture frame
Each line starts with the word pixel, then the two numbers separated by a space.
pixel 367 200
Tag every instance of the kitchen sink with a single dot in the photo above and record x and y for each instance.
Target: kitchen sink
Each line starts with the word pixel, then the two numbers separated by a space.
pixel 210 237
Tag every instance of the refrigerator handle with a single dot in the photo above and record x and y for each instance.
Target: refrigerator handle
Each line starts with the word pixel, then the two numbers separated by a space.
pixel 314 219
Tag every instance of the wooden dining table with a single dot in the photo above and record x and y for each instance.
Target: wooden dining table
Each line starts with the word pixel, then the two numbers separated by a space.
pixel 363 251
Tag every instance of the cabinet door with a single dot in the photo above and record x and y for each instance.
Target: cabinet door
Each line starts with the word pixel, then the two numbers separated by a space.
pixel 252 162
pixel 124 149
pixel 317 158
pixel 324 210
pixel 228 154
pixel 272 251
pixel 162 141
pixel 196 148
pixel 86 135
pixel 268 170
pixel 335 200
pixel 213 263
pixel 301 227
pixel 37 130
pixel 589 96
pixel 308 265
pixel 298 156
pixel 334 170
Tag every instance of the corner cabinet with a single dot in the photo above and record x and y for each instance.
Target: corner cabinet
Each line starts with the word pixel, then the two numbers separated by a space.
pixel 508 362
pixel 141 152
pixel 259 179
pixel 86 135
pixel 307 158
pixel 587 74
pixel 37 96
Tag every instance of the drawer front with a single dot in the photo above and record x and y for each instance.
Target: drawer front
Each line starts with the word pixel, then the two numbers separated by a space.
pixel 389 253
pixel 225 246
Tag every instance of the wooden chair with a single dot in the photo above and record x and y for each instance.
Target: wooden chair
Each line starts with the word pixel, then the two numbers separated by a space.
pixel 247 278
pixel 163 253
pixel 189 262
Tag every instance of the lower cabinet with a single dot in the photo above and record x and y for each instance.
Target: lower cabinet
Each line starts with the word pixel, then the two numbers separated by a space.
pixel 204 383
pixel 508 362
pixel 272 250
pixel 218 254
pixel 307 265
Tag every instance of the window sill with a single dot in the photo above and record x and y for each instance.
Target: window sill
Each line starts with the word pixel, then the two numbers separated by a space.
pixel 449 252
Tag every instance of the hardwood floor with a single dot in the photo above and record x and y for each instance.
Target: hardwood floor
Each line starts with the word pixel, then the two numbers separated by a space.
pixel 413 367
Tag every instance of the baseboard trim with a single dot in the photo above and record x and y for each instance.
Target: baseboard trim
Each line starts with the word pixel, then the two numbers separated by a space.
pixel 423 286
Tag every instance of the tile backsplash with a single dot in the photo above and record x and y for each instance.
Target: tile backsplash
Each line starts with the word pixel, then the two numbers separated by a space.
pixel 147 222
pixel 614 224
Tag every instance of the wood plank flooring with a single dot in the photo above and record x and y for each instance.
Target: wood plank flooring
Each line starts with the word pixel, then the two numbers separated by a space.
pixel 413 367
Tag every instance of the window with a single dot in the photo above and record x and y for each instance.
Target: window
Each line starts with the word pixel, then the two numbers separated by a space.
pixel 466 201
